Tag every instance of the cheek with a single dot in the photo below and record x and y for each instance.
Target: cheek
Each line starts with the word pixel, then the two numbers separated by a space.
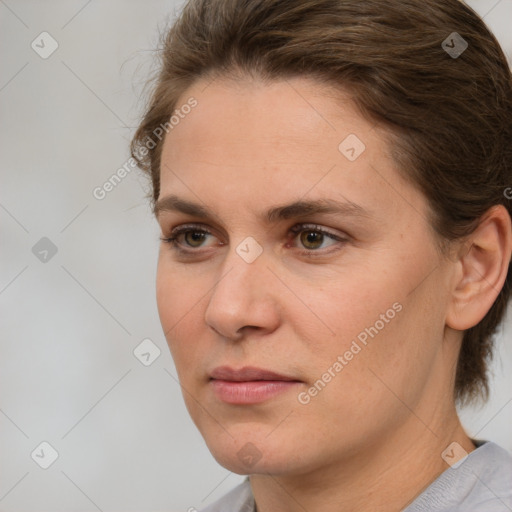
pixel 177 290
pixel 361 397
pixel 370 319
pixel 387 349
pixel 178 302
pixel 167 297
pixel 350 306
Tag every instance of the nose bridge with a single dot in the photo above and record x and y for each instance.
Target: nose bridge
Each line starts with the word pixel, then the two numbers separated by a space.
pixel 242 295
pixel 244 267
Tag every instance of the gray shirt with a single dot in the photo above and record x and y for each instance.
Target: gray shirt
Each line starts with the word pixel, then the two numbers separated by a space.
pixel 481 483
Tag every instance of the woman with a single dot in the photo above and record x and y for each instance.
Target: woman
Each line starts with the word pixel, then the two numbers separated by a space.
pixel 330 180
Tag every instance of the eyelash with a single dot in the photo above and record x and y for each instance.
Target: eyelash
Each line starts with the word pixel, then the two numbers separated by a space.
pixel 296 230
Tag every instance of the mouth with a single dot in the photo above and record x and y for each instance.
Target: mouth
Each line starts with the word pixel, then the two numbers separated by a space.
pixel 249 385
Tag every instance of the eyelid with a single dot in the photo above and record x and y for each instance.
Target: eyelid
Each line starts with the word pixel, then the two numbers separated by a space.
pixel 296 228
pixel 190 227
pixel 299 228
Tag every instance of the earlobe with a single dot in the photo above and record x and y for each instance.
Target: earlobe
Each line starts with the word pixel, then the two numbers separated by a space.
pixel 483 269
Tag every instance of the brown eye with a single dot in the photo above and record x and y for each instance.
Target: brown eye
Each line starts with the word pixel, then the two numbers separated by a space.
pixel 311 239
pixel 187 238
pixel 194 238
pixel 314 239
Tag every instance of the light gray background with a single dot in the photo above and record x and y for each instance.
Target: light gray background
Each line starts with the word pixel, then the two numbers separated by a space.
pixel 69 326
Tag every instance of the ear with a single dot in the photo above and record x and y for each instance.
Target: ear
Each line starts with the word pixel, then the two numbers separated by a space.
pixel 482 269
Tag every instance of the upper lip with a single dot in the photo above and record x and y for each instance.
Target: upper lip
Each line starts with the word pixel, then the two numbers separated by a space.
pixel 247 373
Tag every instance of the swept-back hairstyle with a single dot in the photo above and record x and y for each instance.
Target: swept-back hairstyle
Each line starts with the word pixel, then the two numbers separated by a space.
pixel 448 114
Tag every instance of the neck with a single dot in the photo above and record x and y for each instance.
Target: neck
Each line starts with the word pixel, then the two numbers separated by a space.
pixel 385 477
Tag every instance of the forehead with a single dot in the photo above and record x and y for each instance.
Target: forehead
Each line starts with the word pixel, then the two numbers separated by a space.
pixel 254 141
pixel 252 114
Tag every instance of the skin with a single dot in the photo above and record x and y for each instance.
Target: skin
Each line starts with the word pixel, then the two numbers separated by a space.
pixel 372 438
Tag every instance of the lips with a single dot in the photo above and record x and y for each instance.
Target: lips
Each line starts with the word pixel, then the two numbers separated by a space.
pixel 246 374
pixel 249 385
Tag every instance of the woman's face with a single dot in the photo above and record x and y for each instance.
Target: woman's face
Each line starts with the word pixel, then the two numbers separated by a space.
pixel 306 256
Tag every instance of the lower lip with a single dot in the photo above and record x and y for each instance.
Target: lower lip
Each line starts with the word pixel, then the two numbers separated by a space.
pixel 251 392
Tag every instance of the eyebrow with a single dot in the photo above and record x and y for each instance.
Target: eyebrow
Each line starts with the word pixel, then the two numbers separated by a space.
pixel 275 214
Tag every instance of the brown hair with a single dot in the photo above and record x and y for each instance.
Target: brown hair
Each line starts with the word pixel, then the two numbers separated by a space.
pixel 449 115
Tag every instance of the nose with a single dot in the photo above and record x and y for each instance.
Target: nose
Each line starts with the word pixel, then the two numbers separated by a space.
pixel 244 299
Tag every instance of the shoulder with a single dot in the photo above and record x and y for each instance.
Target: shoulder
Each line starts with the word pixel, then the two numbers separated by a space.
pixel 240 499
pixel 481 483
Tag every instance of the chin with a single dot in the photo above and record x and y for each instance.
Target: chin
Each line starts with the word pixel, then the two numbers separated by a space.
pixel 252 453
pixel 249 461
